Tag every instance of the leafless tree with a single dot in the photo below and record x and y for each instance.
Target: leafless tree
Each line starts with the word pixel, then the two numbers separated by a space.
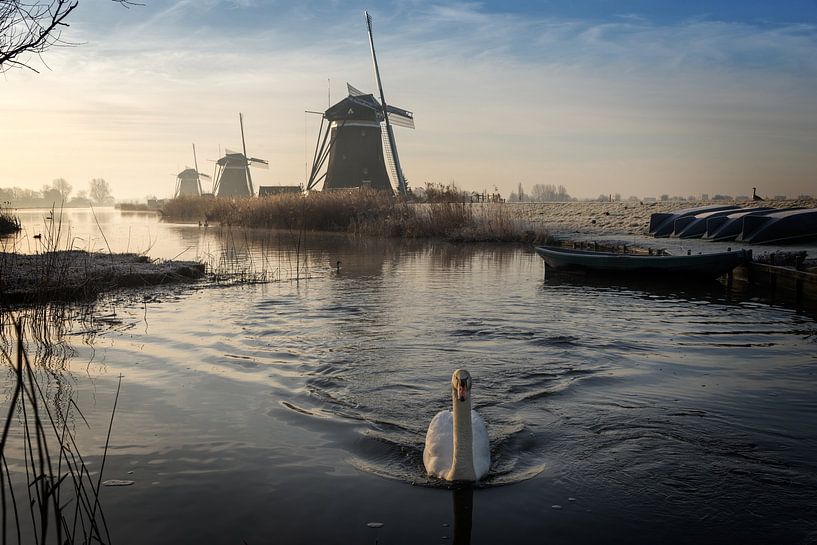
pixel 29 27
pixel 63 187
pixel 100 191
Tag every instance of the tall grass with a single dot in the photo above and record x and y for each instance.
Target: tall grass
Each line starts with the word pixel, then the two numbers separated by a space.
pixel 55 497
pixel 360 212
pixel 9 223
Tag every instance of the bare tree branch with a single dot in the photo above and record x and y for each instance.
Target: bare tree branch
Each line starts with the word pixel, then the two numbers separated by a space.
pixel 30 27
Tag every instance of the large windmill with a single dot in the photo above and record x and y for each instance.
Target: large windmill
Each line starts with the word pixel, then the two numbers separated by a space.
pixel 356 137
pixel 232 172
pixel 188 181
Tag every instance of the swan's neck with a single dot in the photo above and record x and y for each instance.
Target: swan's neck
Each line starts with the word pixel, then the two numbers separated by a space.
pixel 463 467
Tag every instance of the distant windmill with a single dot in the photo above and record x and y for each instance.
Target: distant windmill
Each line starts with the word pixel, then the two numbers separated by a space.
pixel 188 181
pixel 232 173
pixel 358 140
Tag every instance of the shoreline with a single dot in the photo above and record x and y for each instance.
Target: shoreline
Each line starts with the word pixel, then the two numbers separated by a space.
pixel 74 274
pixel 625 218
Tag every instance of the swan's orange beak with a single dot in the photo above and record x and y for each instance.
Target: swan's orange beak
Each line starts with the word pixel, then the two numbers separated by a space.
pixel 462 392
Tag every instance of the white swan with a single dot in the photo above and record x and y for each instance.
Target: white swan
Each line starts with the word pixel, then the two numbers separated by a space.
pixel 457 446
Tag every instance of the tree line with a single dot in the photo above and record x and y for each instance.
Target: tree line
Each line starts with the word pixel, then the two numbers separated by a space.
pixel 541 193
pixel 58 193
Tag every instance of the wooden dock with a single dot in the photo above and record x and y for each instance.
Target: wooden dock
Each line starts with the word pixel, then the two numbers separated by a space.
pixel 801 284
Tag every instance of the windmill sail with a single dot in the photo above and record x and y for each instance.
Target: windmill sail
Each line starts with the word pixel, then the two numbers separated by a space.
pixel 353 92
pixel 389 142
pixel 400 117
pixel 388 158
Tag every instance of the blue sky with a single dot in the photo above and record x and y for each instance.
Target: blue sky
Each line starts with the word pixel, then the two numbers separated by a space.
pixel 638 98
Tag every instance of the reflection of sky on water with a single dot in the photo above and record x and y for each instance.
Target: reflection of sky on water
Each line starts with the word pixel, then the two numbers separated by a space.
pixel 276 410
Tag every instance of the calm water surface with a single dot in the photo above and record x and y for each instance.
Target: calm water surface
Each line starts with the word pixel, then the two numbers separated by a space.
pixel 295 411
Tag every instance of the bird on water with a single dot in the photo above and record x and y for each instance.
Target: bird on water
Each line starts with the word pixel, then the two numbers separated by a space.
pixel 457 447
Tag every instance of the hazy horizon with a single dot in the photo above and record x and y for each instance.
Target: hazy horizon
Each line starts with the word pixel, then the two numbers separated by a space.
pixel 637 98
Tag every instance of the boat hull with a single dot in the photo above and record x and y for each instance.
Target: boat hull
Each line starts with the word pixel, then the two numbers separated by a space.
pixel 780 227
pixel 702 266
pixel 662 224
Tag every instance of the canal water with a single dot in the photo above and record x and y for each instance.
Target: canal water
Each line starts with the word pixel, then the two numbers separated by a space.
pixel 294 410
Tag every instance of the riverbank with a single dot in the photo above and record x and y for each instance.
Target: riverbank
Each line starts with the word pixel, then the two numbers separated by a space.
pixel 611 218
pixel 73 274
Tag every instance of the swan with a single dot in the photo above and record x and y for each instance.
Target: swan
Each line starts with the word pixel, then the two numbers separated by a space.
pixel 457 446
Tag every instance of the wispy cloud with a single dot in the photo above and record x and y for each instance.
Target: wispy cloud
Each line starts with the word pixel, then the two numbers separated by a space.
pixel 625 104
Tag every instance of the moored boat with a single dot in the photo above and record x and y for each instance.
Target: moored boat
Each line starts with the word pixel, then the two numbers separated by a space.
pixel 695 226
pixel 663 223
pixel 692 267
pixel 728 227
pixel 782 227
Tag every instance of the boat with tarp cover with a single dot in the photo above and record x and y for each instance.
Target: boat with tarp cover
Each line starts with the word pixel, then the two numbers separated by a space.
pixel 679 267
pixel 662 224
pixel 783 227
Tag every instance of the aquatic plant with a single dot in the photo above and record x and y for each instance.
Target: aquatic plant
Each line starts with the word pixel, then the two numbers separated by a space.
pixel 54 499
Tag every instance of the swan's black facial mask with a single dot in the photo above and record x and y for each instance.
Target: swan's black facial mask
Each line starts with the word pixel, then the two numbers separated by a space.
pixel 462 387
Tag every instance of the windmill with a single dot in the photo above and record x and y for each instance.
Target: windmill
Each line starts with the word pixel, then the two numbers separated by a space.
pixel 232 172
pixel 357 139
pixel 188 181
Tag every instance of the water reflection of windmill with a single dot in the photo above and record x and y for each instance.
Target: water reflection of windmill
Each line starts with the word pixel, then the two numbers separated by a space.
pixel 232 174
pixel 188 181
pixel 356 137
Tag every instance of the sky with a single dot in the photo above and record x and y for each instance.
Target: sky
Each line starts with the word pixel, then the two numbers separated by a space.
pixel 641 98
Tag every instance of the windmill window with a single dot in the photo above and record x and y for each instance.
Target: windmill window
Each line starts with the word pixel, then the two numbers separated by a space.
pixel 362 132
pixel 343 156
pixel 365 171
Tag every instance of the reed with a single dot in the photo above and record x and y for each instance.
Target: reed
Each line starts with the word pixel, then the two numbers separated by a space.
pixel 9 223
pixel 362 212
pixel 54 499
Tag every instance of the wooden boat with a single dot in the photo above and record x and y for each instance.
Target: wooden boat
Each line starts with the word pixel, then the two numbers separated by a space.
pixel 729 227
pixel 701 266
pixel 780 227
pixel 695 226
pixel 663 223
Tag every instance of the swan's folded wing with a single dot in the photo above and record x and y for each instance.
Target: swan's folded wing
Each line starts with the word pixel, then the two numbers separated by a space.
pixel 482 446
pixel 438 454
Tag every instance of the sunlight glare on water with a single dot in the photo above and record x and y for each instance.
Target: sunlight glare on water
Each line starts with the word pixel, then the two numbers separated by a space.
pixel 298 409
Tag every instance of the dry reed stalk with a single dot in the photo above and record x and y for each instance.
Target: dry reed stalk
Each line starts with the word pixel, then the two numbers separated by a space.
pixel 62 499
pixel 360 212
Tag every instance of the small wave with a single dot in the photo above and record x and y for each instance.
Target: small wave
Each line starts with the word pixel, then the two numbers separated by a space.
pixel 243 361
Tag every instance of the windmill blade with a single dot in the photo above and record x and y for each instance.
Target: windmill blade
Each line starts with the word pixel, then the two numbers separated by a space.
pixel 258 163
pixel 353 92
pixel 398 181
pixel 392 168
pixel 400 117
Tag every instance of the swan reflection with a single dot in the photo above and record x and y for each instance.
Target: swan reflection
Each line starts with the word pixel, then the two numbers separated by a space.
pixel 463 496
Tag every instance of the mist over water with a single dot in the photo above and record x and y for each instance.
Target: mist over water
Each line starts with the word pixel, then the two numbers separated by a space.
pixel 295 411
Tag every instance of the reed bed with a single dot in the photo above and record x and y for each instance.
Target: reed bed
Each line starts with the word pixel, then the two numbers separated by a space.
pixel 54 496
pixel 9 223
pixel 360 212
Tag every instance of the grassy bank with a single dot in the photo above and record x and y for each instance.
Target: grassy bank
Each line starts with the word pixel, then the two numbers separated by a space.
pixel 368 213
pixel 67 275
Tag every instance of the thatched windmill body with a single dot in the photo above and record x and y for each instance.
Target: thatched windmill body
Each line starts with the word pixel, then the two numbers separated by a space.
pixel 188 181
pixel 232 172
pixel 356 140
